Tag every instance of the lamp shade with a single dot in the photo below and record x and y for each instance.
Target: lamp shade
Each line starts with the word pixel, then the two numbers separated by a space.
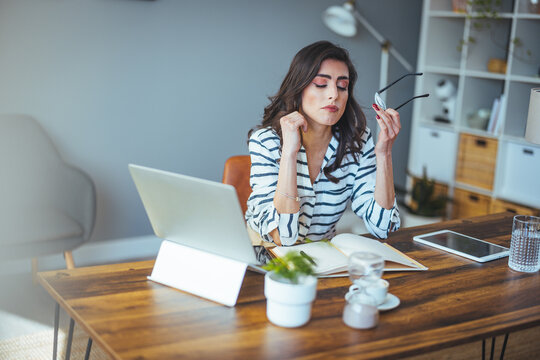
pixel 340 19
pixel 532 133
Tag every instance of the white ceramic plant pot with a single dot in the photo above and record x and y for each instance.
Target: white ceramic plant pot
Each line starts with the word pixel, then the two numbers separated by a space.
pixel 289 305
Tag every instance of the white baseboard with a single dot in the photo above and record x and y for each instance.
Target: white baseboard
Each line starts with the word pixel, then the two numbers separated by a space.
pixel 92 253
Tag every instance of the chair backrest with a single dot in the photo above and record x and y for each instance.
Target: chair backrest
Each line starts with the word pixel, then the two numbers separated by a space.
pixel 236 173
pixel 29 161
pixel 45 201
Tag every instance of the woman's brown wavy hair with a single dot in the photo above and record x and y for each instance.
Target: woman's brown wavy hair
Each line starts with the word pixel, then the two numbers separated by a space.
pixel 304 67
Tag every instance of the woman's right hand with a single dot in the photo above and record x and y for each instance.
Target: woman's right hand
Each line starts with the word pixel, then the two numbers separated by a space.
pixel 290 126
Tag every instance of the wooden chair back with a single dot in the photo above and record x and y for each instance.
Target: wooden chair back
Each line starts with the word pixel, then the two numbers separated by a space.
pixel 236 173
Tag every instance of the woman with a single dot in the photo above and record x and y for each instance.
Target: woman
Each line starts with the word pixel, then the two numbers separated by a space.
pixel 313 153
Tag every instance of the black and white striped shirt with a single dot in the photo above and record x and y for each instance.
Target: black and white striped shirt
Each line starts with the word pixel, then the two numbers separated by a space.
pixel 321 204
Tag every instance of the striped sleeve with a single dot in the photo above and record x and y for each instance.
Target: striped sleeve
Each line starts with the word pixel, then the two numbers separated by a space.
pixel 261 214
pixel 379 221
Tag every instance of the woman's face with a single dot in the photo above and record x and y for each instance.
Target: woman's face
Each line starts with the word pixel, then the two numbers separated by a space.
pixel 325 99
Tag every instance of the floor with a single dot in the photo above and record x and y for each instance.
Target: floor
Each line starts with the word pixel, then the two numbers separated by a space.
pixel 25 307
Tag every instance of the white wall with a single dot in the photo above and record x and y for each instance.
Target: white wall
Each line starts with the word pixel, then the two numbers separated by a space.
pixel 172 84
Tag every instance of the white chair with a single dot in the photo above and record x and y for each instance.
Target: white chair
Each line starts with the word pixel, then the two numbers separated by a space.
pixel 46 205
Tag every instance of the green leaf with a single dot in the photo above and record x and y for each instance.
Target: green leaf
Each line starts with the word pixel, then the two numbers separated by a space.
pixel 291 266
pixel 427 202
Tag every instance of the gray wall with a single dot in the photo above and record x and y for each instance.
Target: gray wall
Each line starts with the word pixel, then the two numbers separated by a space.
pixel 172 84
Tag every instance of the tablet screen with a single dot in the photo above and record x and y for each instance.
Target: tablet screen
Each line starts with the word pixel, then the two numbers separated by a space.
pixel 464 244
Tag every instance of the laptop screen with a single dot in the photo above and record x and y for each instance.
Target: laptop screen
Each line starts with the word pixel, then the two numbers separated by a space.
pixel 198 213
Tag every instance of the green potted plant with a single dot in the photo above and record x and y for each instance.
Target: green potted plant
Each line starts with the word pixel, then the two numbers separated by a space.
pixel 425 205
pixel 480 12
pixel 290 287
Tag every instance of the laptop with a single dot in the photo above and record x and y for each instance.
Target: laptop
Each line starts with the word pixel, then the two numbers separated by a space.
pixel 197 213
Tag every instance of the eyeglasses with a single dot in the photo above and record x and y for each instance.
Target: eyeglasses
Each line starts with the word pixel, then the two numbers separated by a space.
pixel 380 102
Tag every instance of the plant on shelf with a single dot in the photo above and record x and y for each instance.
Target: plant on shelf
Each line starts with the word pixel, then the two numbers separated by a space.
pixel 480 12
pixel 485 9
pixel 519 49
pixel 290 287
pixel 425 201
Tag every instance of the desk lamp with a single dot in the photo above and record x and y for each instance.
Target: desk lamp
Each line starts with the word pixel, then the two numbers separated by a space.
pixel 343 21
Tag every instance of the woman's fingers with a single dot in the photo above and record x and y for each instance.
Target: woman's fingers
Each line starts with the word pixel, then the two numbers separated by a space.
pixel 304 125
pixel 293 121
pixel 396 122
pixel 382 124
pixel 389 121
pixel 290 125
pixel 386 125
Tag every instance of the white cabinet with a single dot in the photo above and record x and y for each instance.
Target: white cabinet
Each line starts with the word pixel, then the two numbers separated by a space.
pixel 457 47
pixel 436 151
pixel 520 174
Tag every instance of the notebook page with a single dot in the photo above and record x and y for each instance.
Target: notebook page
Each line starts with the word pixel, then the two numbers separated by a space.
pixel 349 243
pixel 326 256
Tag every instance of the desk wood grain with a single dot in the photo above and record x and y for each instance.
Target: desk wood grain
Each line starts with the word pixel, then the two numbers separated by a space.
pixel 455 302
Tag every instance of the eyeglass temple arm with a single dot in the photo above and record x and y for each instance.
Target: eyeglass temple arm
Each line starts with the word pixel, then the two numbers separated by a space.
pixel 411 99
pixel 387 86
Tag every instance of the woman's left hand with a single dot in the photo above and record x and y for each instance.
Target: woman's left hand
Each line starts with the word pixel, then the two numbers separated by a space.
pixel 390 125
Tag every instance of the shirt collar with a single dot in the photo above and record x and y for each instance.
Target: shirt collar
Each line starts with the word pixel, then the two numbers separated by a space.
pixel 304 184
pixel 330 151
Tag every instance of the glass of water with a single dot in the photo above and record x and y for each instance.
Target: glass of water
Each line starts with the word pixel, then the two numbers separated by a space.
pixel 525 244
pixel 365 266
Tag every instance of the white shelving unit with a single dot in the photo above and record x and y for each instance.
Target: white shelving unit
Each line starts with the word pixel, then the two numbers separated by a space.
pixel 435 144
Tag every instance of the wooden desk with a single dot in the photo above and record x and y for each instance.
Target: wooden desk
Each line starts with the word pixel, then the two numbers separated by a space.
pixel 455 302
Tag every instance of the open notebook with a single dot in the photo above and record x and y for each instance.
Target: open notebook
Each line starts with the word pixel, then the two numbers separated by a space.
pixel 331 257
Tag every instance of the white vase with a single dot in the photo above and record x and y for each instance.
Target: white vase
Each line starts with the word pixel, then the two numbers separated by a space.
pixel 287 304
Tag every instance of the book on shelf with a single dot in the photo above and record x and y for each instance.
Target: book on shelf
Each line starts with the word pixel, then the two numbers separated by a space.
pixel 495 118
pixel 493 115
pixel 331 257
pixel 500 111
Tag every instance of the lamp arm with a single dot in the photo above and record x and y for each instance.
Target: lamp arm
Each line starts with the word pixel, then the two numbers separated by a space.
pixel 401 59
pixel 382 40
pixel 362 20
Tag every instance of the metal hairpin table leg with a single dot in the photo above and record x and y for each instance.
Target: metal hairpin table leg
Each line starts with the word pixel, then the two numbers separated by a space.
pixel 492 348
pixel 88 349
pixel 503 349
pixel 504 346
pixel 70 338
pixel 56 320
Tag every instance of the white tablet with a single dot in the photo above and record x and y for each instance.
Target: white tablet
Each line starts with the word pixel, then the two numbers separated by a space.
pixel 463 245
